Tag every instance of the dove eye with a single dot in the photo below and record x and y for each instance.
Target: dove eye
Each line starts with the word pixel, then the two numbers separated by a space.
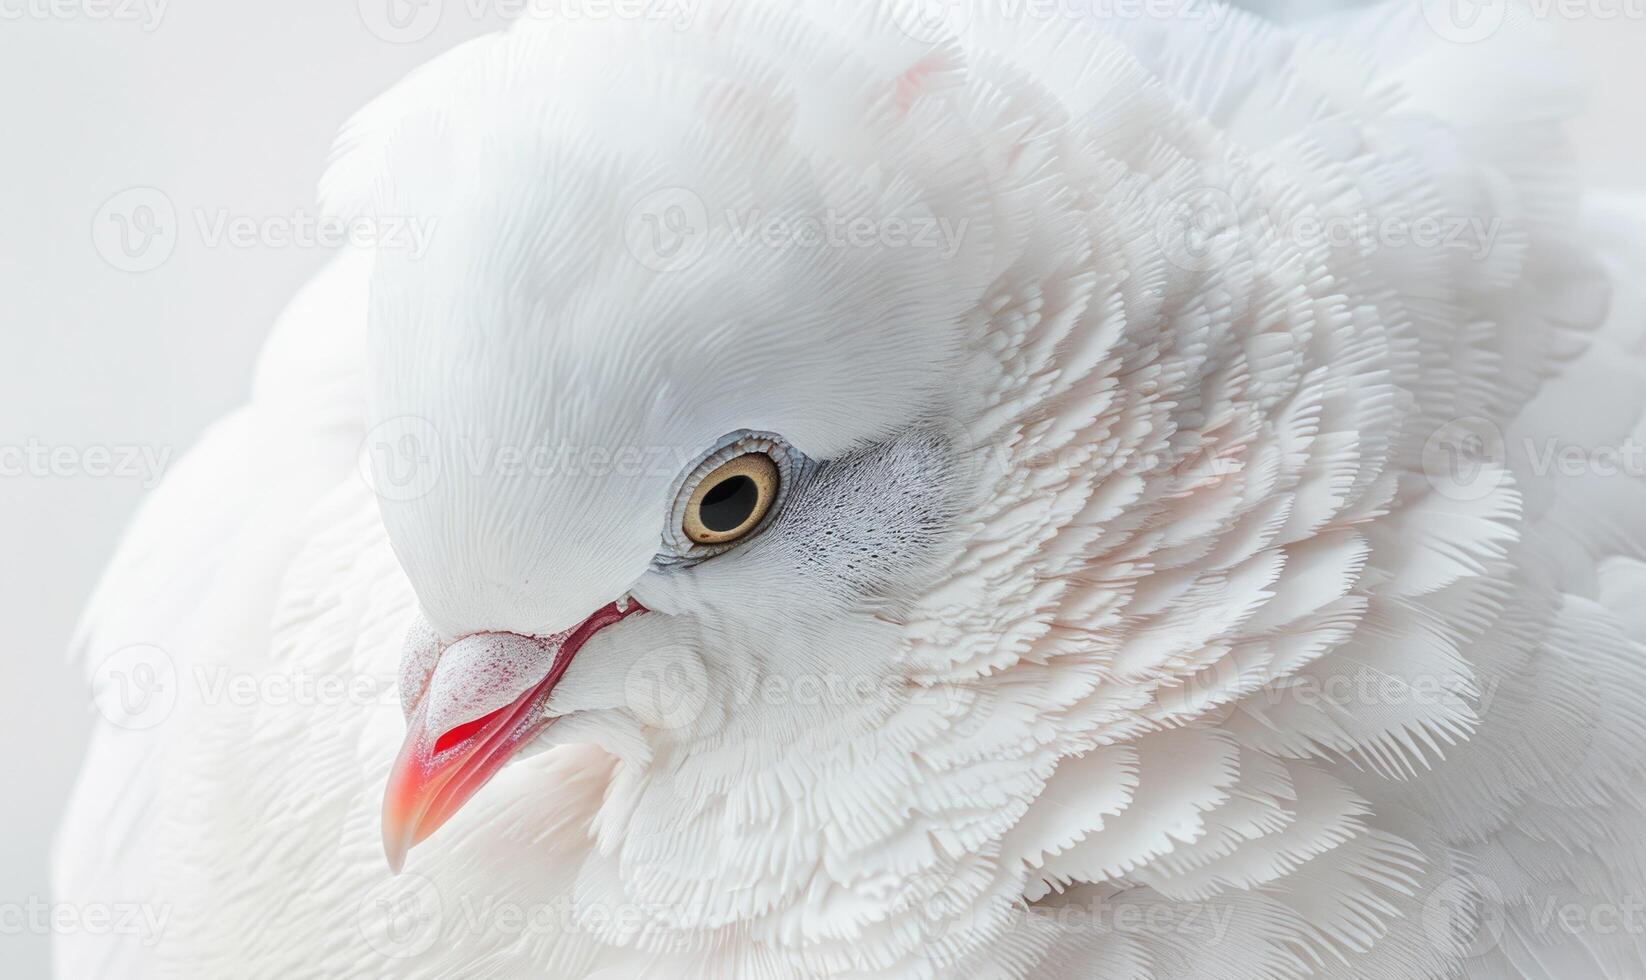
pixel 731 500
pixel 730 494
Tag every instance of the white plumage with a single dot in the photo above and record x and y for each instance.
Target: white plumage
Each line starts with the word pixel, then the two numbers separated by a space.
pixel 1161 589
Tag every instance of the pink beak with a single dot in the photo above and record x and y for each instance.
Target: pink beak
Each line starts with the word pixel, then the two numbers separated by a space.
pixel 446 759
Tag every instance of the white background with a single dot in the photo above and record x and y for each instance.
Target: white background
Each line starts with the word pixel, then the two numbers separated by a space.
pixel 229 107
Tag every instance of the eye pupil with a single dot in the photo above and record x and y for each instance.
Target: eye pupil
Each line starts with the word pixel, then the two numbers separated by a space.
pixel 728 504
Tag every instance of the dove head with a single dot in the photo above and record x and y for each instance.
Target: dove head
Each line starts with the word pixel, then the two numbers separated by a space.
pixel 669 415
pixel 882 451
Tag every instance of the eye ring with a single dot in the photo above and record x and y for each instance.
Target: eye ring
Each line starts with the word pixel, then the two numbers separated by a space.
pixel 732 500
pixel 698 482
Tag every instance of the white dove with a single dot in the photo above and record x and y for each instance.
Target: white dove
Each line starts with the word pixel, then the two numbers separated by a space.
pixel 861 493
